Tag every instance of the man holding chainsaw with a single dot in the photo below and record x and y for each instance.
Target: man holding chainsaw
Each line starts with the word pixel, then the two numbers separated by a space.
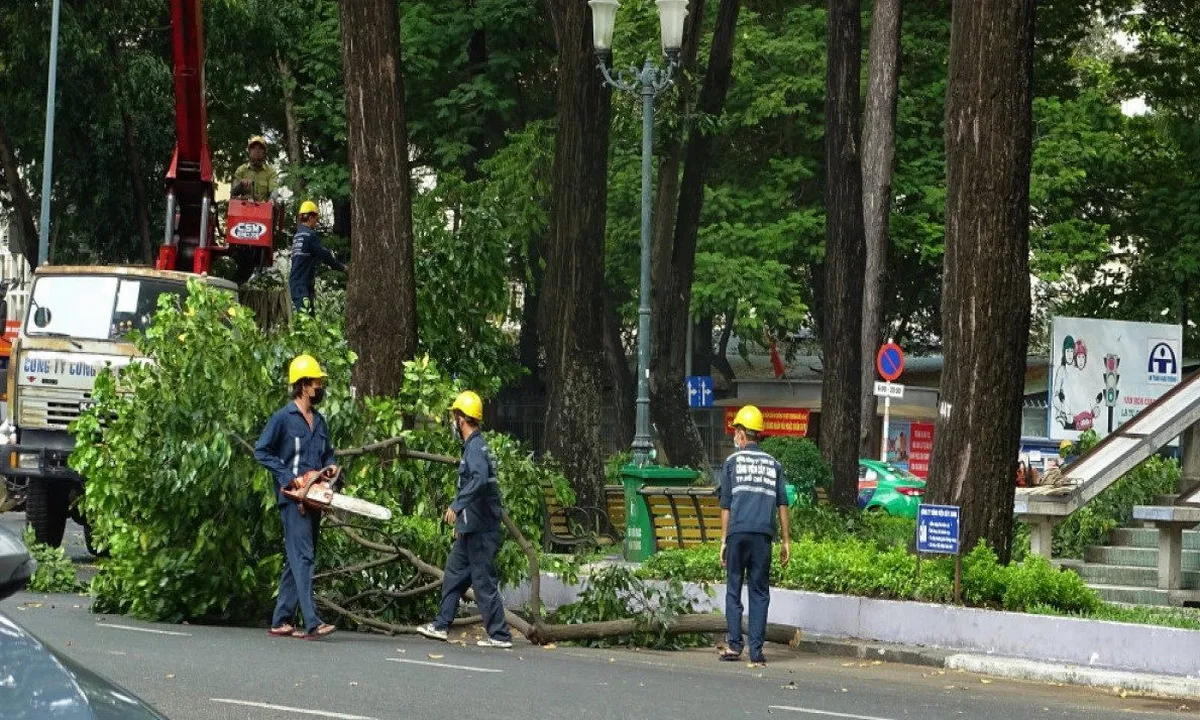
pixel 475 515
pixel 295 442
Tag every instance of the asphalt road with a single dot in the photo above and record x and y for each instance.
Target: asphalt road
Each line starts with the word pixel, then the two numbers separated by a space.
pixel 216 673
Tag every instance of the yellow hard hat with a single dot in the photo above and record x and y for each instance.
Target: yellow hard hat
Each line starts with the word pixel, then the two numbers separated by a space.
pixel 469 404
pixel 308 206
pixel 257 139
pixel 749 418
pixel 303 368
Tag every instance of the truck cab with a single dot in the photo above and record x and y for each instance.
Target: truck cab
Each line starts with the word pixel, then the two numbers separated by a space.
pixel 77 321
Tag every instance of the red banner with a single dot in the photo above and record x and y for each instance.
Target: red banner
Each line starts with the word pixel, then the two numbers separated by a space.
pixel 920 449
pixel 776 421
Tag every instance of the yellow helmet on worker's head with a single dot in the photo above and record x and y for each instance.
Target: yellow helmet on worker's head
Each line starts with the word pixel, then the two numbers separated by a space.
pixel 304 367
pixel 469 404
pixel 749 418
pixel 308 206
pixel 256 140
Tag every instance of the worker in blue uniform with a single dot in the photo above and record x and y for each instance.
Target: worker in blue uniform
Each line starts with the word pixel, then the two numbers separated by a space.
pixel 476 517
pixel 307 254
pixel 295 441
pixel 753 490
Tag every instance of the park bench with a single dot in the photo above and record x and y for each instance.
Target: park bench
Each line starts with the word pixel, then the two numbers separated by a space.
pixel 1170 521
pixel 614 497
pixel 683 516
pixel 575 526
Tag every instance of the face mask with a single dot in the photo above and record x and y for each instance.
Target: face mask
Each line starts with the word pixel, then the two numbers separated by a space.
pixel 318 396
pixel 454 429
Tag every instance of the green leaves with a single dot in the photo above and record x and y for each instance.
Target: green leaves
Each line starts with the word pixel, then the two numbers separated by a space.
pixel 55 572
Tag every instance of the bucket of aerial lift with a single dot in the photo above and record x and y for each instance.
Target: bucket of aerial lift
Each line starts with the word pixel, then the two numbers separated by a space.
pixel 250 223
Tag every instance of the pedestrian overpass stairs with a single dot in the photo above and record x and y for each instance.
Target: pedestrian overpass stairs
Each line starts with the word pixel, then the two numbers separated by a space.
pixel 1156 561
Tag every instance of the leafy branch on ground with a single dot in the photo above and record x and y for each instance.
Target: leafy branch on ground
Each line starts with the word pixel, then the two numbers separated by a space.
pixel 55 572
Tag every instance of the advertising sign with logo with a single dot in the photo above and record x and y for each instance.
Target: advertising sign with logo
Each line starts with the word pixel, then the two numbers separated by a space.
pixel 791 422
pixel 1104 372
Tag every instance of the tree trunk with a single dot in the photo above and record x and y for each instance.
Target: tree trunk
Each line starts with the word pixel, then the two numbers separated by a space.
pixel 985 290
pixel 879 151
pixel 844 261
pixel 528 348
pixel 721 357
pixel 697 623
pixel 381 303
pixel 20 200
pixel 624 384
pixel 287 82
pixel 702 345
pixel 571 317
pixel 133 157
pixel 676 257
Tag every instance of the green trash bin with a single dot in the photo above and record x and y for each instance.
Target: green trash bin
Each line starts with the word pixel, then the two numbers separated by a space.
pixel 639 527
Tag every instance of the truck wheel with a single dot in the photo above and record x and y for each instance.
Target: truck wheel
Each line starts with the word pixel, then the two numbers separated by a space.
pixel 46 511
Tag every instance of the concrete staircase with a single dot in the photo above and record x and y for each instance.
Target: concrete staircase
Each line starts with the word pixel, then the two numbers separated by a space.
pixel 1126 569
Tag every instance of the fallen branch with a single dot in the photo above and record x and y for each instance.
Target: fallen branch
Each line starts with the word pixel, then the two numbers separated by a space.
pixel 694 623
pixel 374 448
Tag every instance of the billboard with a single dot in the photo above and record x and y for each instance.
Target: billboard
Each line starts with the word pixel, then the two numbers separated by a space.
pixel 1104 372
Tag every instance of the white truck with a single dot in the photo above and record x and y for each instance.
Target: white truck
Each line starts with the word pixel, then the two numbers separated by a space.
pixel 77 322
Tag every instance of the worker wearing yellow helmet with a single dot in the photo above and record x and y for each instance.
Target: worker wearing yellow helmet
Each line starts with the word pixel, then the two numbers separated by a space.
pixel 256 180
pixel 753 490
pixel 307 254
pixel 296 441
pixel 475 514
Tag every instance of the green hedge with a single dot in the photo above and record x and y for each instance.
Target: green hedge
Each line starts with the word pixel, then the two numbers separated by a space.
pixel 852 566
pixel 803 464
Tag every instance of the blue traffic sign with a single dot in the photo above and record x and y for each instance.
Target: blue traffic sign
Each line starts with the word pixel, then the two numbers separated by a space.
pixel 700 391
pixel 937 529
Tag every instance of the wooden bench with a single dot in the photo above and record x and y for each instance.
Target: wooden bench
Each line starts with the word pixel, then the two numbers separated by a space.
pixel 571 527
pixel 1170 521
pixel 683 516
pixel 614 497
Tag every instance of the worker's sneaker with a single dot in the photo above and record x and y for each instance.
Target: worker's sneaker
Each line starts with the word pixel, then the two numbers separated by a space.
pixel 493 642
pixel 431 632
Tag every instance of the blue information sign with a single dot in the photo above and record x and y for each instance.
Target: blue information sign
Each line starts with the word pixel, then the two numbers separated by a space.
pixel 937 529
pixel 700 391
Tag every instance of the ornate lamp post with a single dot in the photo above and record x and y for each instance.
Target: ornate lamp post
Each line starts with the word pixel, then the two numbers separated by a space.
pixel 649 82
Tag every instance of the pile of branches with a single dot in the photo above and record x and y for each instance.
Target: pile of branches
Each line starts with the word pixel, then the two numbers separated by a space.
pixel 363 608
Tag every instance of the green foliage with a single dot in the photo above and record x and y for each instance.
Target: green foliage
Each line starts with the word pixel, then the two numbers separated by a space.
pixel 803 465
pixel 613 465
pixel 853 566
pixel 188 514
pixel 823 522
pixel 616 593
pixel 55 573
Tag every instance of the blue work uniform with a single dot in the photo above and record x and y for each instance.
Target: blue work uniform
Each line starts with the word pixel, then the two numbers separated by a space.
pixel 307 254
pixel 472 561
pixel 288 448
pixel 753 487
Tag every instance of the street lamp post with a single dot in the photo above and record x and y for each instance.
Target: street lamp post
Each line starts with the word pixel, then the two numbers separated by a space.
pixel 48 147
pixel 648 82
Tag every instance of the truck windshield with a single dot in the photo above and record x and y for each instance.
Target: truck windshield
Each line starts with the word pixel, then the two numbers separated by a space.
pixel 95 307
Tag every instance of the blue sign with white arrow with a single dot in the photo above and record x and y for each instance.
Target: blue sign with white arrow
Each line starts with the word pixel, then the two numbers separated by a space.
pixel 700 391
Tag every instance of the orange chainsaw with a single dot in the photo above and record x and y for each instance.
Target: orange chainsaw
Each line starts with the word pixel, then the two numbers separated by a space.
pixel 315 489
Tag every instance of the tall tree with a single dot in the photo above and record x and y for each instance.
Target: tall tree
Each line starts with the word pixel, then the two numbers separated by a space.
pixel 381 301
pixel 841 334
pixel 879 152
pixel 571 325
pixel 985 290
pixel 677 230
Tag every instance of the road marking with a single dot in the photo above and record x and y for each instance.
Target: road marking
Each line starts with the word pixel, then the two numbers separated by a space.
pixel 826 713
pixel 285 708
pixel 445 665
pixel 145 630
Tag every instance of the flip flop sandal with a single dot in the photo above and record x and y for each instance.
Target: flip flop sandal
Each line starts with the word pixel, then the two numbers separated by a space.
pixel 320 632
pixel 281 631
pixel 727 655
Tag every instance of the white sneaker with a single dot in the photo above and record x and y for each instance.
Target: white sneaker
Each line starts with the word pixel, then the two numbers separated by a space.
pixel 494 643
pixel 431 632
